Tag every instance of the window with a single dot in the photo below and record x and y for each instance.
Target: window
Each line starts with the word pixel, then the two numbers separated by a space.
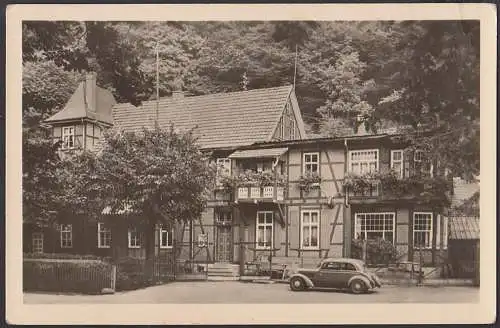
pixel 422 230
pixel 292 128
pixel 103 236
pixel 397 162
pixel 166 240
pixel 134 238
pixel 66 236
pixel 37 242
pixel 310 229
pixel 282 128
pixel 68 137
pixel 264 231
pixel 417 156
pixel 223 167
pixel 311 163
pixel 374 225
pixel 363 161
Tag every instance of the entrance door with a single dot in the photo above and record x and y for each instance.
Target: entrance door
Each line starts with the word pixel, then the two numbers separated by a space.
pixel 224 246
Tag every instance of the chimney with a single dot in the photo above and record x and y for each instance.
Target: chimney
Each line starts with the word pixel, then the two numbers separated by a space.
pixel 90 91
pixel 177 94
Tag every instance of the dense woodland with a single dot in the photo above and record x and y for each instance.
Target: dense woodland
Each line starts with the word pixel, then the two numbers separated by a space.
pixel 422 75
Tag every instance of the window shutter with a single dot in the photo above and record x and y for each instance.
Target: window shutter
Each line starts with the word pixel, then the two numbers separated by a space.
pixel 438 231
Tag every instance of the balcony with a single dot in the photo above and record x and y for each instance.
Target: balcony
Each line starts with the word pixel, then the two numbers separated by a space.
pixel 267 193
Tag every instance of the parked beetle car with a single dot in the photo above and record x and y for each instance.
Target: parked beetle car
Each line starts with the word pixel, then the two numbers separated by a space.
pixel 339 273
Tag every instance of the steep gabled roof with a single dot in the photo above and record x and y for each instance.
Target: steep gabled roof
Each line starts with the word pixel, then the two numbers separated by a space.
pixel 76 107
pixel 222 120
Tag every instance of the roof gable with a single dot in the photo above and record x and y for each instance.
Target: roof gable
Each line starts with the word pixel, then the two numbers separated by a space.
pixel 219 120
pixel 77 106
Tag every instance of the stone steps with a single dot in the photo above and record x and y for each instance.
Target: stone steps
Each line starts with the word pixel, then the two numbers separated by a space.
pixel 227 270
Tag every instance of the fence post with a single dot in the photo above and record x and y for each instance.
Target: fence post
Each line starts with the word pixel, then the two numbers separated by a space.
pixel 113 277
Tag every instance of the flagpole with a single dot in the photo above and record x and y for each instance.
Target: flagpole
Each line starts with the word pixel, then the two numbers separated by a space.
pixel 157 82
pixel 295 69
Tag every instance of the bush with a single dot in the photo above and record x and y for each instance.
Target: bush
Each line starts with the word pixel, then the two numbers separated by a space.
pixel 133 273
pixel 378 251
pixel 85 276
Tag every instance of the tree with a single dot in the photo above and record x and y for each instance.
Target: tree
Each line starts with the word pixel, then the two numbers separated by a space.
pixel 43 181
pixel 161 174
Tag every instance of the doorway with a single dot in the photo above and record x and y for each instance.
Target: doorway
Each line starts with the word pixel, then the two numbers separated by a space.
pixel 224 237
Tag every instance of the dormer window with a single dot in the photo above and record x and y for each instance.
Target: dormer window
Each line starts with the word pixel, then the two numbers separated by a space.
pixel 68 137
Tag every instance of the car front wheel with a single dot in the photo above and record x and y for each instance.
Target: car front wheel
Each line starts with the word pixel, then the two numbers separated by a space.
pixel 357 286
pixel 297 284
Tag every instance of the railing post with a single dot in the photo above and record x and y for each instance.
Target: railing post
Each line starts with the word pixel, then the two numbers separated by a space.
pixel 113 277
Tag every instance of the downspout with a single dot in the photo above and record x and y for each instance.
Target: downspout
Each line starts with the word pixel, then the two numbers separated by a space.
pixel 346 196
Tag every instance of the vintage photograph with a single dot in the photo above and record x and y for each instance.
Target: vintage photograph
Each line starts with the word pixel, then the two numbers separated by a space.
pixel 251 161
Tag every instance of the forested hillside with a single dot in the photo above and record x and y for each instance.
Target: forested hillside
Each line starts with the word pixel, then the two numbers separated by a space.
pixel 418 74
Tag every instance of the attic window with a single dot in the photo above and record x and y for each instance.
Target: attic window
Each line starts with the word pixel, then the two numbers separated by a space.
pixel 68 137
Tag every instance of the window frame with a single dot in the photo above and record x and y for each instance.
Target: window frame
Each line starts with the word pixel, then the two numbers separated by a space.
pixel 292 128
pixel 100 231
pixel 63 235
pixel 429 231
pixel 418 151
pixel 401 161
pixel 350 161
pixel 223 161
pixel 63 135
pixel 39 239
pixel 266 227
pixel 137 238
pixel 170 240
pixel 393 214
pixel 310 225
pixel 305 163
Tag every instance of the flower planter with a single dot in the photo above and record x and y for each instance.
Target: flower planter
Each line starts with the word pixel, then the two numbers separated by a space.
pixel 280 193
pixel 243 192
pixel 268 192
pixel 255 192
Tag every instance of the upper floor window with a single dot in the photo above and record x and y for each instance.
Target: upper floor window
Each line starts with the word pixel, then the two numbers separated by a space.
pixel 363 161
pixel 68 137
pixel 223 167
pixel 311 163
pixel 282 128
pixel 66 236
pixel 292 128
pixel 397 162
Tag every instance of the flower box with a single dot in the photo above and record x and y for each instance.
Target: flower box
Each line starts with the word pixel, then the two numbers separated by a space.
pixel 268 192
pixel 242 192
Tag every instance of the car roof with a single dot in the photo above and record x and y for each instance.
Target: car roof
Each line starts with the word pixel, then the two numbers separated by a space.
pixel 344 260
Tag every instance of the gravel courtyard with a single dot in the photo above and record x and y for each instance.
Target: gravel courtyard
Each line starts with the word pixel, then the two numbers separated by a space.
pixel 237 292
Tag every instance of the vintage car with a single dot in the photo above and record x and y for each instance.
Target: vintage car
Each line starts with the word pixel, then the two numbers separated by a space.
pixel 339 273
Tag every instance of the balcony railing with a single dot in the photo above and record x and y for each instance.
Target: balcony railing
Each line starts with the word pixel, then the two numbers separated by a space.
pixel 260 193
pixel 374 189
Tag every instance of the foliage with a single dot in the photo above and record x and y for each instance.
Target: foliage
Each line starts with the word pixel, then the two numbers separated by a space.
pixel 66 276
pixel 159 173
pixel 309 181
pixel 470 207
pixel 378 251
pixel 402 73
pixel 424 187
pixel 250 178
pixel 63 256
pixel 43 180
